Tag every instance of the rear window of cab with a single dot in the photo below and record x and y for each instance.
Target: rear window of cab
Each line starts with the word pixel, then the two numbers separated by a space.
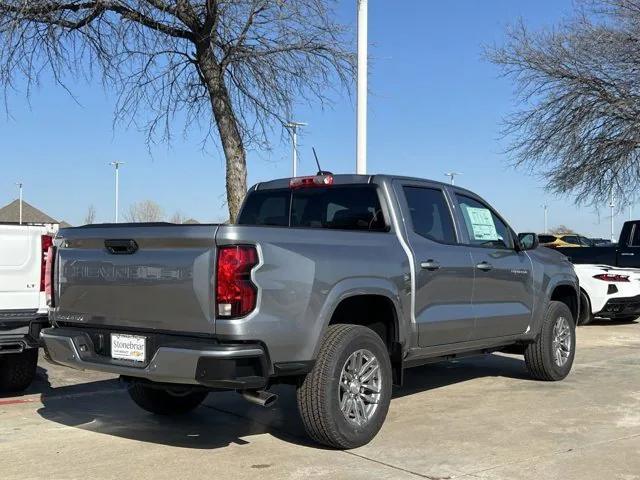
pixel 343 207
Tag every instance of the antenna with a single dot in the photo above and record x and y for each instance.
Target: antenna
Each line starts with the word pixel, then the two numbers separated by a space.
pixel 317 161
pixel 320 171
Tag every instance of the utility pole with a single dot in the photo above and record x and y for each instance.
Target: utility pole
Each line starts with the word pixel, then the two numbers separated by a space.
pixel 19 185
pixel 612 206
pixel 361 117
pixel 452 175
pixel 630 209
pixel 546 211
pixel 293 128
pixel 117 168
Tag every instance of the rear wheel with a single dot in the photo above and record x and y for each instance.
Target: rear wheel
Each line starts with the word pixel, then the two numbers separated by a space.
pixel 344 400
pixel 17 370
pixel 586 316
pixel 165 401
pixel 550 357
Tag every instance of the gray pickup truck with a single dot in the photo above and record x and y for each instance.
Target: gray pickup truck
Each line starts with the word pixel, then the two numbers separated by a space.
pixel 332 283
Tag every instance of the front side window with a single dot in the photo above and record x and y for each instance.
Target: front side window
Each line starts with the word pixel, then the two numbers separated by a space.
pixel 485 229
pixel 585 242
pixel 571 239
pixel 430 214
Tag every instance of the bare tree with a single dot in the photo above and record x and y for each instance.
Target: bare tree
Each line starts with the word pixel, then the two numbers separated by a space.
pixel 578 85
pixel 145 211
pixel 561 230
pixel 90 216
pixel 241 63
pixel 178 218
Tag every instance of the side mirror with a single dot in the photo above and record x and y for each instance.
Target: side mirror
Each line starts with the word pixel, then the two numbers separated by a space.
pixel 528 241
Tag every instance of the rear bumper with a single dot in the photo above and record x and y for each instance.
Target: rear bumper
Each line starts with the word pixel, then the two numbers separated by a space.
pixel 621 307
pixel 21 327
pixel 179 361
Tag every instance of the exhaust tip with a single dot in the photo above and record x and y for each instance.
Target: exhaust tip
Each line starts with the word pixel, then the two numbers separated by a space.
pixel 13 347
pixel 260 397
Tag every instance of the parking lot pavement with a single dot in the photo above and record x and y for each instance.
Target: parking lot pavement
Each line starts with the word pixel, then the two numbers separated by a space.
pixel 474 418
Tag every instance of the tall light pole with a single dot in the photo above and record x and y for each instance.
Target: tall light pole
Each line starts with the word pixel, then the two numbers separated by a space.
pixel 293 128
pixel 361 120
pixel 630 209
pixel 117 168
pixel 19 185
pixel 612 206
pixel 546 211
pixel 452 176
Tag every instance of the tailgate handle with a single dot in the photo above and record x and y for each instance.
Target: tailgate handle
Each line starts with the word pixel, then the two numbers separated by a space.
pixel 121 247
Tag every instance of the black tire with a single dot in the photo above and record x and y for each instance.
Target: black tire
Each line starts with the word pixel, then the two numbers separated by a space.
pixel 319 395
pixel 17 370
pixel 539 356
pixel 165 402
pixel 586 317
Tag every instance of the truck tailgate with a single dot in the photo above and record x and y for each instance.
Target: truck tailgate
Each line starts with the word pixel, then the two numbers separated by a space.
pixel 146 276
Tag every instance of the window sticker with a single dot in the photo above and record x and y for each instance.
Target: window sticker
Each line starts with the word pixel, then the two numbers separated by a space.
pixel 482 224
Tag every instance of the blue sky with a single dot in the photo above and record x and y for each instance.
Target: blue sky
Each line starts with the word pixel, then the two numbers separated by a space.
pixel 436 105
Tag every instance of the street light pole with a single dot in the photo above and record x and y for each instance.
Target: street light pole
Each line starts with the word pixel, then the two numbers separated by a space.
pixel 452 176
pixel 361 120
pixel 612 206
pixel 117 168
pixel 546 209
pixel 19 185
pixel 293 127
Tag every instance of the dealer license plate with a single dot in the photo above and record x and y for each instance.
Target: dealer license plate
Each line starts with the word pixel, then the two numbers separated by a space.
pixel 128 347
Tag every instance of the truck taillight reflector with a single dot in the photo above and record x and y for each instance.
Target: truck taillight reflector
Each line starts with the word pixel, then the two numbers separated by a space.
pixel 316 181
pixel 48 275
pixel 46 242
pixel 235 292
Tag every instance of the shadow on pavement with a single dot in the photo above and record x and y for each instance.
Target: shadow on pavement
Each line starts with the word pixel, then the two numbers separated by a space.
pixel 225 418
pixel 601 322
pixel 41 385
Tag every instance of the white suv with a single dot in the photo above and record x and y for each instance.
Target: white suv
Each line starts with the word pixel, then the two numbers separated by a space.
pixel 23 303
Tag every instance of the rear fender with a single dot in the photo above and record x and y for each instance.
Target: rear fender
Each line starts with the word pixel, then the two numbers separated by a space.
pixel 354 287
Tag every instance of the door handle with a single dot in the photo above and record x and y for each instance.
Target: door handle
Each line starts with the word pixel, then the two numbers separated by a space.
pixel 121 247
pixel 430 265
pixel 627 254
pixel 484 266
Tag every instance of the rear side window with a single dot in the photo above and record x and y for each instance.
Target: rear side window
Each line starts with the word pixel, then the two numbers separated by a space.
pixel 430 214
pixel 484 227
pixel 269 207
pixel 344 207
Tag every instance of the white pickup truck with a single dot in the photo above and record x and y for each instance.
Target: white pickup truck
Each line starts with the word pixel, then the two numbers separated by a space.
pixel 23 304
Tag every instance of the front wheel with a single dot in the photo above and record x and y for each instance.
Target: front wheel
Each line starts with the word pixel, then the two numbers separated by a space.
pixel 165 401
pixel 344 400
pixel 551 356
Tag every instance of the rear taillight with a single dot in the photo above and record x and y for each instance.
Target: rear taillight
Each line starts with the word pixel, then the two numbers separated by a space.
pixel 235 292
pixel 315 181
pixel 48 275
pixel 46 241
pixel 611 277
